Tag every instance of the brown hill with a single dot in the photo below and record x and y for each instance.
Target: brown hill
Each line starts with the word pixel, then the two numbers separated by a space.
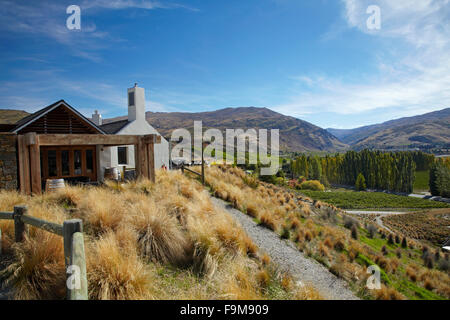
pixel 295 134
pixel 9 116
pixel 425 131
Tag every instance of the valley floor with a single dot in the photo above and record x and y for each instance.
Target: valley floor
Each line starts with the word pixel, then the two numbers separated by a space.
pixel 290 259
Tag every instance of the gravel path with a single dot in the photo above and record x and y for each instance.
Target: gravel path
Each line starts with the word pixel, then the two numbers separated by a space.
pixel 290 259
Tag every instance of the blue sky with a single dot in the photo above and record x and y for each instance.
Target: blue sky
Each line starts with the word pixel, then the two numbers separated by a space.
pixel 312 59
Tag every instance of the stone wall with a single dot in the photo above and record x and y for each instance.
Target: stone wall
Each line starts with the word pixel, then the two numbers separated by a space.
pixel 8 161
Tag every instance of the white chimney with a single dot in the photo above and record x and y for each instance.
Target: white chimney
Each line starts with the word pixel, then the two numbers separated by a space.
pixel 97 118
pixel 136 103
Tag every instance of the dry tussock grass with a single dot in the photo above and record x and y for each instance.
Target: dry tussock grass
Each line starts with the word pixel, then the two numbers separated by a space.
pixel 316 228
pixel 386 293
pixel 143 241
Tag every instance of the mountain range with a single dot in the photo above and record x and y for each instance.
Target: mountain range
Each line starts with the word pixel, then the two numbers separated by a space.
pixel 427 131
pixel 295 134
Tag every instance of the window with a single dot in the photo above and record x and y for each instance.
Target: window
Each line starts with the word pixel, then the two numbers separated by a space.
pixel 122 155
pixel 68 162
pixel 89 161
pixel 77 162
pixel 52 169
pixel 131 98
pixel 65 163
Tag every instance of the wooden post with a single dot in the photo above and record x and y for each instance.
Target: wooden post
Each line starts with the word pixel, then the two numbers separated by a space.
pixel 69 228
pixel 203 162
pixel 142 162
pixel 35 162
pixel 24 165
pixel 19 226
pixel 136 161
pixel 151 161
pixel 78 259
pixel 182 167
pixel 170 153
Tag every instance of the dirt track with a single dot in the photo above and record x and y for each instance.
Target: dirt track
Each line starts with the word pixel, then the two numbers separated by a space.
pixel 284 253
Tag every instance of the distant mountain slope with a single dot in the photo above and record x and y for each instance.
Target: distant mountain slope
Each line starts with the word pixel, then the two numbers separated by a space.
pixel 424 130
pixel 426 134
pixel 8 116
pixel 295 134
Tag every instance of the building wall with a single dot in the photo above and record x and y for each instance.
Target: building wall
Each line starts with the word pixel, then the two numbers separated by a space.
pixel 108 157
pixel 8 161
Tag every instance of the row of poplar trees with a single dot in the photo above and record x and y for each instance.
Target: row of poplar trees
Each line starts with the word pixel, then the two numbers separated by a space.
pixel 440 178
pixel 393 171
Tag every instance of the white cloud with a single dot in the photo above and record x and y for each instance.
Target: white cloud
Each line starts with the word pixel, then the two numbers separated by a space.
pixel 121 4
pixel 413 63
pixel 48 18
pixel 133 4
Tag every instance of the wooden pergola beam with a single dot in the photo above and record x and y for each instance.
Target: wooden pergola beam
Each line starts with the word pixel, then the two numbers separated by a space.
pixel 30 163
pixel 89 139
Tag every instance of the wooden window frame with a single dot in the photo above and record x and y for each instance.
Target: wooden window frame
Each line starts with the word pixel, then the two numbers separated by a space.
pixel 92 176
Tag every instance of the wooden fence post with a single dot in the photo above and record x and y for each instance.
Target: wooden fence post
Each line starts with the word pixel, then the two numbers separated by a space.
pixel 204 144
pixel 151 160
pixel 69 228
pixel 19 226
pixel 78 259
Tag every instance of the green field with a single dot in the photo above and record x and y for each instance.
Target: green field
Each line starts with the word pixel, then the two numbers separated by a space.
pixel 372 200
pixel 422 180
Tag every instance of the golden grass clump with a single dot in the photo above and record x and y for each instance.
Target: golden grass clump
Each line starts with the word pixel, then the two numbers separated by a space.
pixel 307 292
pixel 114 273
pixel 160 236
pixel 37 270
pixel 267 220
pixel 386 293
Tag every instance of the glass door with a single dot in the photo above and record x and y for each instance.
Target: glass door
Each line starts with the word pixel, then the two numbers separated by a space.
pixel 69 162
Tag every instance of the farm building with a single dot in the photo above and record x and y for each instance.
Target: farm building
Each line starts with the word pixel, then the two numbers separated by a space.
pixel 135 123
pixel 58 142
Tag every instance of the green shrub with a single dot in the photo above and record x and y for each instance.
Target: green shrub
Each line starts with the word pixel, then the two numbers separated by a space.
pixel 301 179
pixel 350 222
pixel 404 243
pixel 360 184
pixel 312 185
pixel 354 232
pixel 391 239
pixel 280 181
pixel 372 230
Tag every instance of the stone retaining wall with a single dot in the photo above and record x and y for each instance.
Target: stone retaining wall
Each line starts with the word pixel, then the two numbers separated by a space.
pixel 8 161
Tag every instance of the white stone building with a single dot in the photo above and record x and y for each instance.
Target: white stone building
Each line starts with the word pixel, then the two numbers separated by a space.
pixel 135 124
